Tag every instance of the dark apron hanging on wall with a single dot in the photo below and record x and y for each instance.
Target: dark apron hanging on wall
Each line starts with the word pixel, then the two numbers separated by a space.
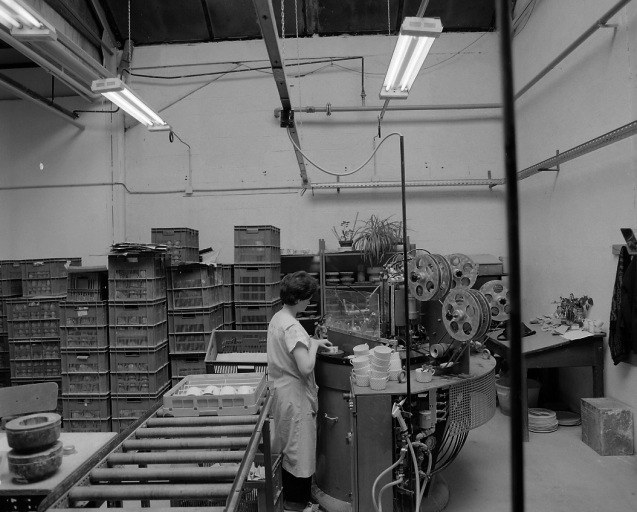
pixel 622 331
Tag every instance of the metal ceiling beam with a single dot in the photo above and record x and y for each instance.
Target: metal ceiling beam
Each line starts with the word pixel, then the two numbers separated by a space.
pixel 267 22
pixel 29 95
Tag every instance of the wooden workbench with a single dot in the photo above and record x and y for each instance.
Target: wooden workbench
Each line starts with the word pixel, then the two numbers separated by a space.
pixel 546 350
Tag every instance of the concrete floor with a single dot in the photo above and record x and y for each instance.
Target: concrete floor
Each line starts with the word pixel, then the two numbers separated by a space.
pixel 562 474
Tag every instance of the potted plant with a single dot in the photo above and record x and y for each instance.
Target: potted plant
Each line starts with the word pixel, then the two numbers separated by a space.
pixel 377 237
pixel 572 309
pixel 345 234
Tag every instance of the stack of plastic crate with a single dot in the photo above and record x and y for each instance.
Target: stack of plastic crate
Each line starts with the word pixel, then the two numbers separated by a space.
pixel 182 243
pixel 227 273
pixel 137 334
pixel 257 271
pixel 86 398
pixel 34 322
pixel 10 287
pixel 195 310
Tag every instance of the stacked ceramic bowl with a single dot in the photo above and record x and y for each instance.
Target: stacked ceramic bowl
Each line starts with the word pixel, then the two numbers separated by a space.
pixel 362 370
pixel 379 367
pixel 395 366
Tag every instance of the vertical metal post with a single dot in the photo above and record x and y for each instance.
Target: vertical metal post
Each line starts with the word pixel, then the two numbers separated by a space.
pixel 405 270
pixel 406 296
pixel 513 239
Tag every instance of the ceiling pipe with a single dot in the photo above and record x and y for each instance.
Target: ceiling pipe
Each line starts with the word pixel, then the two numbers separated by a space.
pixel 29 95
pixel 592 29
pixel 380 108
pixel 422 183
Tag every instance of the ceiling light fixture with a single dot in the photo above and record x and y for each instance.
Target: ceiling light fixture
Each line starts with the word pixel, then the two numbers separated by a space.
pixel 118 93
pixel 15 15
pixel 416 38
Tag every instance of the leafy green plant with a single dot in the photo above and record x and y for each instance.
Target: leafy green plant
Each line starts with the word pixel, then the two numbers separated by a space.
pixel 376 237
pixel 573 309
pixel 345 233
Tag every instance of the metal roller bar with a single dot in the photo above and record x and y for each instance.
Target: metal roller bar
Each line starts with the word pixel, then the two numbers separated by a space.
pixel 174 458
pixel 185 444
pixel 150 492
pixel 621 133
pixel 201 421
pixel 162 509
pixel 171 475
pixel 226 430
pixel 179 469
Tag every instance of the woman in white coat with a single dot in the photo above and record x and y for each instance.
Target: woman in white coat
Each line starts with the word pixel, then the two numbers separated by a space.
pixel 291 360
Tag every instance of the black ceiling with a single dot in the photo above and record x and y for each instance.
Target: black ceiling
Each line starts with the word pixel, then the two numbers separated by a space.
pixel 155 22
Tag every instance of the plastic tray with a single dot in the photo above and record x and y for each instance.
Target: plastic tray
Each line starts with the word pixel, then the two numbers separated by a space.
pixel 139 313
pixel 138 360
pixel 181 367
pixel 256 274
pixel 239 351
pixel 257 235
pixel 87 425
pixel 29 309
pixel 91 407
pixel 255 312
pixel 266 292
pixel 83 314
pixel 257 254
pixel 35 369
pixel 142 266
pixel 177 403
pixel 80 361
pixel 89 337
pixel 139 383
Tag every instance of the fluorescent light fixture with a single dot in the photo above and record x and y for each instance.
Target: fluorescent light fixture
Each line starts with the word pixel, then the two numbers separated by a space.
pixel 118 93
pixel 15 15
pixel 417 35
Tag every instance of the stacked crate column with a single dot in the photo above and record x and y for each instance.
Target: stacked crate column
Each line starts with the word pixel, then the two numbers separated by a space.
pixel 85 367
pixel 257 256
pixel 195 309
pixel 10 287
pixel 34 340
pixel 138 332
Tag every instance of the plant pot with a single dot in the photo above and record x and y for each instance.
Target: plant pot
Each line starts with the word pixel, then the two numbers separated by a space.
pixel 346 243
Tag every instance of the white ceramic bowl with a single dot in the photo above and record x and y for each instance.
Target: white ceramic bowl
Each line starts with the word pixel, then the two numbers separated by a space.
pixel 360 361
pixel 380 363
pixel 377 375
pixel 363 370
pixel 362 380
pixel 378 384
pixel 382 352
pixel 361 350
pixel 393 374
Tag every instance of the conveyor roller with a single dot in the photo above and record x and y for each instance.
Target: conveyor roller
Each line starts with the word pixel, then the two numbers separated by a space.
pixel 197 463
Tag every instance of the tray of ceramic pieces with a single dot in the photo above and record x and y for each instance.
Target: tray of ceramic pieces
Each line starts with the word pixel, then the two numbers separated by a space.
pixel 225 394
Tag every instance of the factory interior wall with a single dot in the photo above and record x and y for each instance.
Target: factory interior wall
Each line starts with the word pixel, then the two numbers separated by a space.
pixel 71 192
pixel 570 219
pixel 230 150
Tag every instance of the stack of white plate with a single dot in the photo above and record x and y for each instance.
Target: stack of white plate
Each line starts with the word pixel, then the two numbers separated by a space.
pixel 542 420
pixel 568 419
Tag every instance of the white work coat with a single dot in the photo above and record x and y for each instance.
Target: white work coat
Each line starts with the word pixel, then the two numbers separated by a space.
pixel 296 397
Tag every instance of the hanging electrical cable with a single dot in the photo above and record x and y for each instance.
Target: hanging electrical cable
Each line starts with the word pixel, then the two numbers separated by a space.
pixel 347 173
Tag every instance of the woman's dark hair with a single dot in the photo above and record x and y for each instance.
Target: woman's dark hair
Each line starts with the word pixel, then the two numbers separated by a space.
pixel 297 286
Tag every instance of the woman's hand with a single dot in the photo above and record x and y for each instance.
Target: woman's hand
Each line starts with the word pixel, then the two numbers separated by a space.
pixel 322 342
